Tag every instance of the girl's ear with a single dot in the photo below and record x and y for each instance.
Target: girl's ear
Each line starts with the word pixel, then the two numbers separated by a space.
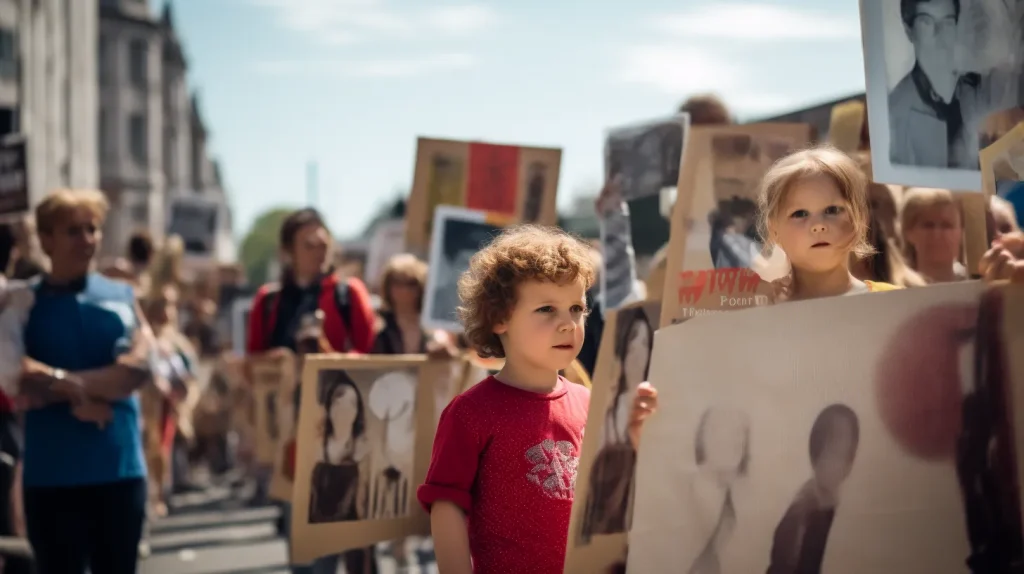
pixel 500 328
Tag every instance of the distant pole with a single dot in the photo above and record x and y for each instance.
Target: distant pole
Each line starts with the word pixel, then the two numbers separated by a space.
pixel 312 193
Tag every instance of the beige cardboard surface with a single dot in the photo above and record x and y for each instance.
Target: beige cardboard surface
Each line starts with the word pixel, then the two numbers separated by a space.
pixel 858 426
pixel 271 379
pixel 354 492
pixel 521 191
pixel 722 168
pixel 602 500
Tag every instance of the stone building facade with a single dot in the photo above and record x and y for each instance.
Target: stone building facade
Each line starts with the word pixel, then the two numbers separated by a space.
pixel 151 135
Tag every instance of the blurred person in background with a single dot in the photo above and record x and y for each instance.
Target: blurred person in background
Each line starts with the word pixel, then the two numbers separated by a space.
pixel 87 348
pixel 25 260
pixel 310 284
pixel 403 283
pixel 931 221
pixel 1004 216
pixel 11 433
pixel 141 252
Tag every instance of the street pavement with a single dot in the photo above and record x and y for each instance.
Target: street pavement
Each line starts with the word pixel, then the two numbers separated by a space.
pixel 215 532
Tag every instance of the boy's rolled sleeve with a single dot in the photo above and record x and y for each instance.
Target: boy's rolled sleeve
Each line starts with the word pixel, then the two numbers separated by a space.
pixel 454 461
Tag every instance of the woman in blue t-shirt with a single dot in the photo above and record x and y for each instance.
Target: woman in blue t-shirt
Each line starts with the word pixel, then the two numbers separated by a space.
pixel 87 351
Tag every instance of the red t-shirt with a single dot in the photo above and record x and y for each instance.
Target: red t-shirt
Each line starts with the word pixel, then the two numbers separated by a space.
pixel 508 458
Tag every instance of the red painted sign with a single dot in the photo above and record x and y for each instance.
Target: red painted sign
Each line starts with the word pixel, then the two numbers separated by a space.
pixel 493 183
pixel 727 282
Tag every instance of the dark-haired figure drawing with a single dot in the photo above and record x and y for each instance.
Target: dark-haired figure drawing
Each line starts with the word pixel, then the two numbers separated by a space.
pixel 722 451
pixel 985 462
pixel 462 239
pixel 801 536
pixel 335 494
pixel 611 478
pixel 735 242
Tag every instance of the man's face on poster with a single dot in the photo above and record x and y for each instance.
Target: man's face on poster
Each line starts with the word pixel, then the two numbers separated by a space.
pixel 932 31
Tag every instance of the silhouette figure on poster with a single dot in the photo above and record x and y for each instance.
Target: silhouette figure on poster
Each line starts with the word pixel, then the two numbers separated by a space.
pixel 534 192
pixel 611 478
pixel 335 493
pixel 985 462
pixel 800 538
pixel 722 452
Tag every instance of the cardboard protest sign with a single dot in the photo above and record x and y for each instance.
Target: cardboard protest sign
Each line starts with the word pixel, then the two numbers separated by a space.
pixel 602 505
pixel 886 445
pixel 272 378
pixel 714 240
pixel 646 156
pixel 14 189
pixel 388 240
pixel 516 182
pixel 365 433
pixel 459 234
pixel 1002 168
pixel 194 219
pixel 970 61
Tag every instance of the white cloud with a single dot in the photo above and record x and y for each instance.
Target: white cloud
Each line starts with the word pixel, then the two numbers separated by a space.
pixel 350 21
pixel 383 68
pixel 679 70
pixel 461 19
pixel 757 22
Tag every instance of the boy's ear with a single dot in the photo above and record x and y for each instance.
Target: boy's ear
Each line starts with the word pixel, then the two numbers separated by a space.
pixel 500 328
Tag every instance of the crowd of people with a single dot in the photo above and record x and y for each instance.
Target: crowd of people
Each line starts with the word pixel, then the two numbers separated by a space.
pixel 118 376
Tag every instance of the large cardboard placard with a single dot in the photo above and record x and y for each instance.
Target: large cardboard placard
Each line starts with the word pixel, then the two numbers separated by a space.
pixel 366 430
pixel 785 444
pixel 459 233
pixel 272 378
pixel 709 255
pixel 285 450
pixel 602 503
pixel 516 182
pixel 969 56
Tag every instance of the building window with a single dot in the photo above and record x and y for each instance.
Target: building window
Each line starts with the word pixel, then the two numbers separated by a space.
pixel 8 121
pixel 137 59
pixel 8 54
pixel 140 214
pixel 103 135
pixel 137 138
pixel 106 53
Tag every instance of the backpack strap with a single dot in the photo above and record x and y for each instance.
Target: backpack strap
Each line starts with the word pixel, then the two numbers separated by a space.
pixel 344 304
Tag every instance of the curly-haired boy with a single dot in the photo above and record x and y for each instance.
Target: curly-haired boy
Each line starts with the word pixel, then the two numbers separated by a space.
pixel 506 451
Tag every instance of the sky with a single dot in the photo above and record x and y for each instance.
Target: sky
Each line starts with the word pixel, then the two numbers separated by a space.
pixel 351 84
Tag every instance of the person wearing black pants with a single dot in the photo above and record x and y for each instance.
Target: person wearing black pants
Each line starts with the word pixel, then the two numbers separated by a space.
pixel 10 458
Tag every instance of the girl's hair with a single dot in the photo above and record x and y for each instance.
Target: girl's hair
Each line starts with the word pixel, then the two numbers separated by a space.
pixel 820 161
pixel 625 319
pixel 407 266
pixel 336 380
pixel 917 201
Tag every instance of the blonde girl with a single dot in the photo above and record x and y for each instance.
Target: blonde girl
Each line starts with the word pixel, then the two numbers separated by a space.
pixel 933 233
pixel 814 208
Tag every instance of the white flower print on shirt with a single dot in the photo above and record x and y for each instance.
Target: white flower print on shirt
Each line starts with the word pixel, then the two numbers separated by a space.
pixel 554 468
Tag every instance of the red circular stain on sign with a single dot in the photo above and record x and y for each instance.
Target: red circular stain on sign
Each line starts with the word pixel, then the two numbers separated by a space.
pixel 918 380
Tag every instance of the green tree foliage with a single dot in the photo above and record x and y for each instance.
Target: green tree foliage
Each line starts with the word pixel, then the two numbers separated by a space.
pixel 259 247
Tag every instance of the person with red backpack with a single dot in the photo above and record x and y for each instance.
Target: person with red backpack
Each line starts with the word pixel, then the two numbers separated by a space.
pixel 309 285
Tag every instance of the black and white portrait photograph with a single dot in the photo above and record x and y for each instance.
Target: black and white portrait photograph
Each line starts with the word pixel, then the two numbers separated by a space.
pixel 365 448
pixel 459 233
pixel 895 434
pixel 937 73
pixel 611 476
pixel 603 504
pixel 195 221
pixel 646 156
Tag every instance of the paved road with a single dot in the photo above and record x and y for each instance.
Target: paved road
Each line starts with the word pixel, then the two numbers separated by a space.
pixel 213 532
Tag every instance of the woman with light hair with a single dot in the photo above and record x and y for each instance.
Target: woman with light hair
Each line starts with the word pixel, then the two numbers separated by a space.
pixel 933 234
pixel 87 350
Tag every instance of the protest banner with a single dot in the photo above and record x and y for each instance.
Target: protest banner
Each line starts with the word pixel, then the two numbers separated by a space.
pixel 516 182
pixel 365 434
pixel 871 433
